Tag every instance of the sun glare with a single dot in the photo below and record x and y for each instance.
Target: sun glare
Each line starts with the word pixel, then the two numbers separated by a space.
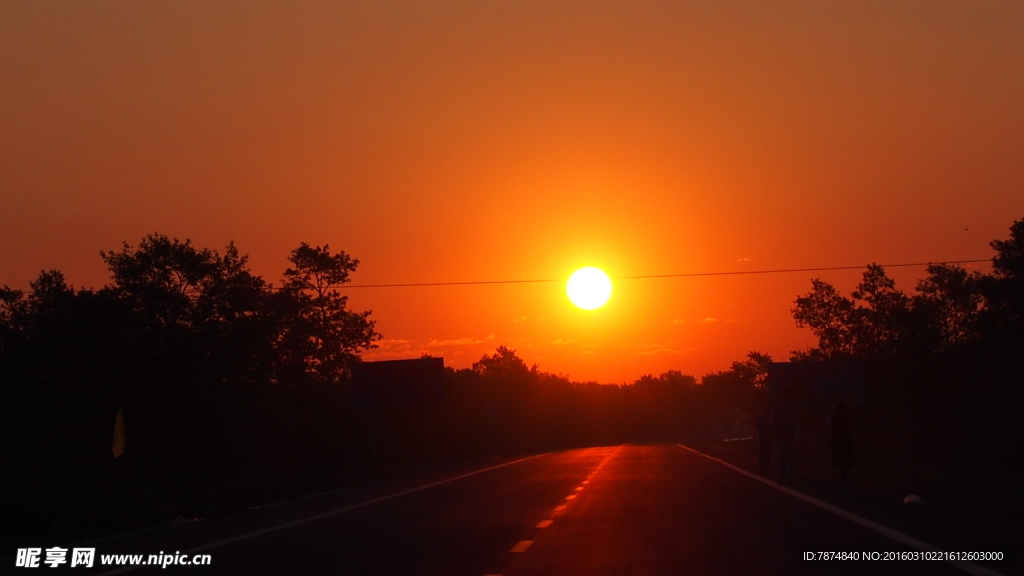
pixel 589 288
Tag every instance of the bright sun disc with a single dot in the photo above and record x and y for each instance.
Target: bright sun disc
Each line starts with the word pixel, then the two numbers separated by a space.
pixel 589 288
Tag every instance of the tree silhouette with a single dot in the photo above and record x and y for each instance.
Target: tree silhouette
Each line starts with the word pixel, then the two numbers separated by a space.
pixel 504 363
pixel 830 316
pixel 172 282
pixel 1004 288
pixel 753 370
pixel 952 308
pixel 321 334
pixel 877 320
pixel 951 298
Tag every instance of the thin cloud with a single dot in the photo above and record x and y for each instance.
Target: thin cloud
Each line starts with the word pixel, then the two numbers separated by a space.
pixel 519 320
pixel 456 342
pixel 392 354
pixel 394 348
pixel 664 350
pixel 393 342
pixel 555 342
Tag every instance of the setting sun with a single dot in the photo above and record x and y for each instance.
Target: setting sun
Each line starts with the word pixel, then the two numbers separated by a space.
pixel 589 288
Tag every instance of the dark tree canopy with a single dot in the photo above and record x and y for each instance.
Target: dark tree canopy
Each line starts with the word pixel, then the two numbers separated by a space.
pixel 504 363
pixel 1004 289
pixel 172 282
pixel 753 370
pixel 952 308
pixel 951 298
pixel 321 333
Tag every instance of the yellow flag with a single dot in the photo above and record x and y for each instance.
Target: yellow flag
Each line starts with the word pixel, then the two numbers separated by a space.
pixel 118 448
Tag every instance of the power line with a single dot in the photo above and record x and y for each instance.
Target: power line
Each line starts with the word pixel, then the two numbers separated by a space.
pixel 644 277
pixel 785 270
pixel 651 276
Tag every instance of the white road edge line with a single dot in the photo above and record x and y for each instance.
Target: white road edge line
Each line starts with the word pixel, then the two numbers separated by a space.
pixel 342 510
pixel 971 567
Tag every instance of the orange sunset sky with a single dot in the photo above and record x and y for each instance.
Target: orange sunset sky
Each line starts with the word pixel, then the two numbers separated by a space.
pixel 482 140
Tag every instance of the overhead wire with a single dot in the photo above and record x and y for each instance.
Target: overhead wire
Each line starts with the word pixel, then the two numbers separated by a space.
pixel 651 276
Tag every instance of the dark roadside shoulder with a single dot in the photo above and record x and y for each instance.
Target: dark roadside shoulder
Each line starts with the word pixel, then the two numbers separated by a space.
pixel 947 518
pixel 186 533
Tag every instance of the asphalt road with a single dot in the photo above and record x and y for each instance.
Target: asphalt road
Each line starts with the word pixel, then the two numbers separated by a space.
pixel 622 510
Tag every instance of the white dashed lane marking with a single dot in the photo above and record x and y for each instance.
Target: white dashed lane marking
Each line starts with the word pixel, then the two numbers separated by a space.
pixel 521 546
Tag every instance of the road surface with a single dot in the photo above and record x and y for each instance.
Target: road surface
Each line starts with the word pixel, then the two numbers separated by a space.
pixel 619 510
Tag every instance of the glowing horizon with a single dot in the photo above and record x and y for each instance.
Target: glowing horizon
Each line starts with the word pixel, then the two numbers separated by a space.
pixel 463 141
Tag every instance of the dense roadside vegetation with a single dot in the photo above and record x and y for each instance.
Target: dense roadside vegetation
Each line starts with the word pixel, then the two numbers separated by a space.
pixel 945 369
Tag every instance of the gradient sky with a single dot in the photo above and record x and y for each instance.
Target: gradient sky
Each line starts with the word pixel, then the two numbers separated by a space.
pixel 475 140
